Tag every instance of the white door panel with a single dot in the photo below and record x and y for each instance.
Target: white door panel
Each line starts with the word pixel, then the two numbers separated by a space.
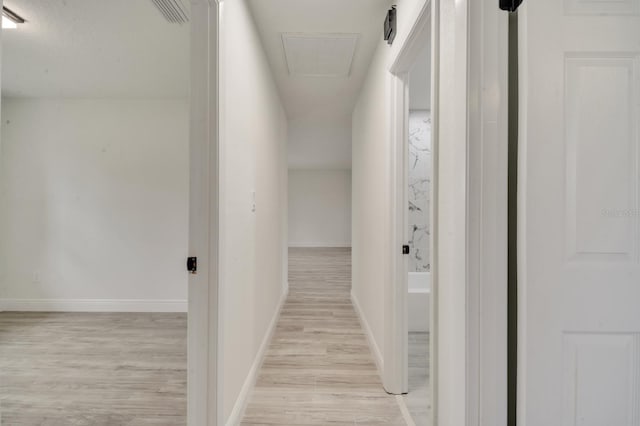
pixel 579 217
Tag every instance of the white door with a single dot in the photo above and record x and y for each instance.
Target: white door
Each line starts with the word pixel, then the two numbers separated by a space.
pixel 579 272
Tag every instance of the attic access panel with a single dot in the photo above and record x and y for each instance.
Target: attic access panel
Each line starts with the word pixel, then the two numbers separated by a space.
pixel 319 55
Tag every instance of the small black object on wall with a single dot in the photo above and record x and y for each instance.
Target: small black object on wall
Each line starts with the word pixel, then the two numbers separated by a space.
pixel 390 25
pixel 192 265
pixel 510 5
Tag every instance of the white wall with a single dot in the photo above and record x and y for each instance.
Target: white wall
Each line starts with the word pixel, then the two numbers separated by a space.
pixel 253 243
pixel 370 174
pixel 371 177
pixel 95 203
pixel 319 208
pixel 420 81
pixel 320 141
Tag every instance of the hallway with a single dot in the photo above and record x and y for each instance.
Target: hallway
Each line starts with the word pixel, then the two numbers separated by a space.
pixel 318 369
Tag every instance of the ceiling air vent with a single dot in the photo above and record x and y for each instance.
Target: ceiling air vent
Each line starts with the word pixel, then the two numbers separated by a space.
pixel 173 11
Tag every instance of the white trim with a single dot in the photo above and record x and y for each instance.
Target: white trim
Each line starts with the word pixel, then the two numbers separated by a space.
pixel 396 345
pixel 522 209
pixel 203 384
pixel 402 404
pixel 487 210
pixel 469 208
pixel 243 398
pixel 222 201
pixel 396 337
pixel 455 362
pixel 404 56
pixel 375 350
pixel 320 245
pixel 434 321
pixel 93 305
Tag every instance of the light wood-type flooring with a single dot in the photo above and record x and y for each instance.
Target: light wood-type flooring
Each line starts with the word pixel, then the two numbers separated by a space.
pixel 93 369
pixel 418 399
pixel 318 369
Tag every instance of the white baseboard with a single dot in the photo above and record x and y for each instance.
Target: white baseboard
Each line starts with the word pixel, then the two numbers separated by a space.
pixel 320 245
pixel 243 398
pixel 93 305
pixel 377 355
pixel 402 404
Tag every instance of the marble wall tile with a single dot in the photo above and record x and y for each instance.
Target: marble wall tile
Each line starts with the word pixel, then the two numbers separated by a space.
pixel 419 190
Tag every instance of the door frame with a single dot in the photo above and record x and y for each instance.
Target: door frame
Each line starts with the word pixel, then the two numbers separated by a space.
pixel 469 309
pixel 395 372
pixel 203 384
pixel 469 213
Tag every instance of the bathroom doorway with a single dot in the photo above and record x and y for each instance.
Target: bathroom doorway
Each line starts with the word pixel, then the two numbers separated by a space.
pixel 409 338
pixel 419 172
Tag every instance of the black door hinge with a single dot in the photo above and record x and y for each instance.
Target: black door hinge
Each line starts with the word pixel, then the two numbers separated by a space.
pixel 192 265
pixel 405 249
pixel 510 5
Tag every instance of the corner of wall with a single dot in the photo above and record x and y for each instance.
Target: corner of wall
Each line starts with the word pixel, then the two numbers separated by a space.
pixel 375 349
pixel 370 200
pixel 243 398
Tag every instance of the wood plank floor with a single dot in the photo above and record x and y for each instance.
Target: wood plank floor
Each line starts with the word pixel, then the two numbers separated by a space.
pixel 318 369
pixel 93 369
pixel 418 399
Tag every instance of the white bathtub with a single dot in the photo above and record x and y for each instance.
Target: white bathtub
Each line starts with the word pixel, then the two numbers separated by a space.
pixel 419 301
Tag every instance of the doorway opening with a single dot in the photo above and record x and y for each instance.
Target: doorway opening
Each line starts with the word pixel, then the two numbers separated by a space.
pixel 94 199
pixel 419 230
pixel 409 307
pixel 379 146
pixel 309 329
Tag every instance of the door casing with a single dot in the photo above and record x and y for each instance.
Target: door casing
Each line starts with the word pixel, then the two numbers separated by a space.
pixel 466 154
pixel 469 216
pixel 203 384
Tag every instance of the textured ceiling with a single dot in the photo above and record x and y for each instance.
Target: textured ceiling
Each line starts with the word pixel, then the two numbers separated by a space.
pixel 94 48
